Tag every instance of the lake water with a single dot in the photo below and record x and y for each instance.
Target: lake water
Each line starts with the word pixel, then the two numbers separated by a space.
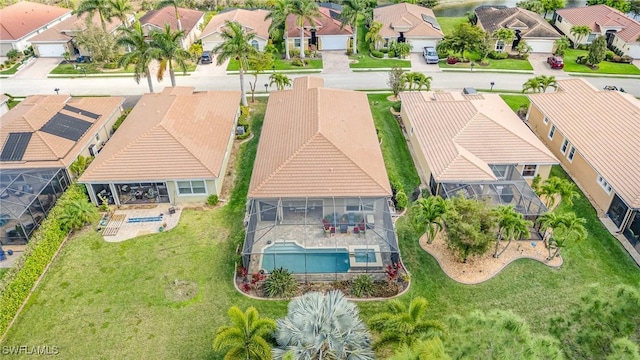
pixel 461 9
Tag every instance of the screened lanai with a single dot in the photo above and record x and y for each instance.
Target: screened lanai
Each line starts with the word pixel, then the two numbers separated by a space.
pixel 320 239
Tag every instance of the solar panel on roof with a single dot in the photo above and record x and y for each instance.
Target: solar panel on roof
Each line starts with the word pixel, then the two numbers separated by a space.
pixel 81 112
pixel 334 15
pixel 15 146
pixel 431 20
pixel 66 126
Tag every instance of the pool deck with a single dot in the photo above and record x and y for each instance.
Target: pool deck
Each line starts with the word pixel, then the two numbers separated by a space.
pixel 124 230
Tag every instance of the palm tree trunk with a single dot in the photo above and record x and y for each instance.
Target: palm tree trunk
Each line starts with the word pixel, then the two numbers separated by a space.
pixel 286 42
pixel 505 248
pixel 242 90
pixel 179 27
pixel 302 42
pixel 149 81
pixel 172 74
pixel 355 38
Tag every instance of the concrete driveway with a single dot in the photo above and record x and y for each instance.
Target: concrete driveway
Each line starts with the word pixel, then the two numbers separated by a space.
pixel 38 68
pixel 419 64
pixel 334 62
pixel 540 67
pixel 211 69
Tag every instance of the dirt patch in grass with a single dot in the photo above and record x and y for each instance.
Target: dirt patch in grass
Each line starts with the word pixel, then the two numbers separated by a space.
pixel 181 290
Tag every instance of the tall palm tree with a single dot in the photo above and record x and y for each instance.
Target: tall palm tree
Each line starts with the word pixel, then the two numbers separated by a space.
pixel 579 32
pixel 304 10
pixel 547 82
pixel 427 216
pixel 562 45
pixel 121 9
pixel 280 80
pixel 512 225
pixel 245 339
pixel 278 15
pixel 570 229
pixel 75 214
pixel 403 324
pixel 166 48
pixel 532 85
pixel 319 326
pixel 373 36
pixel 236 45
pixel 351 11
pixel 175 3
pixel 102 7
pixel 138 54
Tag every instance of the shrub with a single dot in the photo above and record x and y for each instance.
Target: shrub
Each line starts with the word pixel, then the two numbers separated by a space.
pixel 349 52
pixel 401 200
pixel 498 55
pixel 110 66
pixel 452 60
pixel 384 50
pixel 442 53
pixel 120 120
pixel 294 52
pixel 377 54
pixel 609 55
pixel 525 56
pixel 362 286
pixel 391 54
pixel 297 62
pixel 212 200
pixel 583 47
pixel 396 106
pixel 307 53
pixel 13 54
pixel 280 283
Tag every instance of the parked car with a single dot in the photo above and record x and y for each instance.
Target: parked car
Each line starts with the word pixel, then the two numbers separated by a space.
pixel 206 58
pixel 555 62
pixel 430 55
pixel 84 59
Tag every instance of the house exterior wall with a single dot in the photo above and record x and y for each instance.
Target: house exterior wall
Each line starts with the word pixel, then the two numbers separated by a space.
pixel 23 43
pixel 632 50
pixel 292 43
pixel 225 162
pixel 212 40
pixel 196 198
pixel 418 156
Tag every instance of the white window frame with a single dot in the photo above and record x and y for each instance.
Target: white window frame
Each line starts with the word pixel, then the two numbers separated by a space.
pixel 524 168
pixel 552 131
pixel 366 205
pixel 571 154
pixel 500 45
pixel 564 146
pixel 604 185
pixel 296 42
pixel 546 120
pixel 206 191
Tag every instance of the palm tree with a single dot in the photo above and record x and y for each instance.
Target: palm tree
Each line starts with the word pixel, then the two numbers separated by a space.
pixel 427 216
pixel 121 9
pixel 139 54
pixel 245 339
pixel 570 229
pixel 373 36
pixel 165 47
pixel 80 165
pixel 411 78
pixel 319 326
pixel 556 186
pixel 579 32
pixel 102 7
pixel 280 80
pixel 351 10
pixel 304 10
pixel 432 349
pixel 278 15
pixel 75 214
pixel 424 81
pixel 236 45
pixel 512 225
pixel 175 3
pixel 532 85
pixel 562 45
pixel 547 82
pixel 405 325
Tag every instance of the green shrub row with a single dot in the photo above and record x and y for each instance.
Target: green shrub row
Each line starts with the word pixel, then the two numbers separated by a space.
pixel 377 54
pixel 44 242
pixel 498 55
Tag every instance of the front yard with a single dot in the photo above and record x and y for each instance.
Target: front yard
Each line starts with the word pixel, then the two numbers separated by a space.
pixel 94 68
pixel 503 64
pixel 605 67
pixel 515 102
pixel 363 60
pixel 283 64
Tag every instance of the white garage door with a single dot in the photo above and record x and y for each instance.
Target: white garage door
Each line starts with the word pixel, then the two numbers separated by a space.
pixel 634 51
pixel 333 42
pixel 540 46
pixel 5 48
pixel 51 50
pixel 418 45
pixel 210 45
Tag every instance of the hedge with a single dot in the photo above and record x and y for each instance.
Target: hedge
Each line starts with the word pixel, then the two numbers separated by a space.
pixel 44 242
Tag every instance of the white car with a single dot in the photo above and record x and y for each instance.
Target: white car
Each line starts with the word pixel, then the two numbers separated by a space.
pixel 430 55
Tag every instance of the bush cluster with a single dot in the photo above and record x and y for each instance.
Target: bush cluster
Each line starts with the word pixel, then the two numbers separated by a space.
pixel 498 55
pixel 299 62
pixel 281 284
pixel 377 54
pixel 362 286
pixel 212 200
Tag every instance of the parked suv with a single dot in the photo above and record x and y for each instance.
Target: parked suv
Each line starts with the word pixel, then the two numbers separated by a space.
pixel 555 62
pixel 206 58
pixel 430 55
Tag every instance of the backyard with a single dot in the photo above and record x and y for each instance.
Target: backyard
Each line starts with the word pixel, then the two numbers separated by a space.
pixel 605 67
pixel 118 300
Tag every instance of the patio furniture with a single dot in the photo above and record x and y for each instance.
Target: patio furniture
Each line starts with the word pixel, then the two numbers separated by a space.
pixel 361 226
pixel 356 230
pixel 352 218
pixel 326 224
pixel 172 210
pixel 370 221
pixel 344 228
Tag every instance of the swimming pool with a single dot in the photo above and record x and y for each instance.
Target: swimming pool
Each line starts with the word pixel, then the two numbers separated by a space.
pixel 299 260
pixel 144 219
pixel 365 255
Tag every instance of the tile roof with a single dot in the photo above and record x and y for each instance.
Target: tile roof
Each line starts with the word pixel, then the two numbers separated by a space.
pixel 530 24
pixel 460 136
pixel 45 149
pixel 252 20
pixel 603 126
pixel 24 17
pixel 317 141
pixel 325 24
pixel 176 134
pixel 167 15
pixel 66 29
pixel 406 16
pixel 602 15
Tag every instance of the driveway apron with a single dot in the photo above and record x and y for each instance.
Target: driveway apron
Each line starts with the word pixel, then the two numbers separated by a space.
pixel 38 68
pixel 334 62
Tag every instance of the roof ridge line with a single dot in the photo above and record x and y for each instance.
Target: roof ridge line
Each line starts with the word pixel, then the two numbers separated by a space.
pixel 161 124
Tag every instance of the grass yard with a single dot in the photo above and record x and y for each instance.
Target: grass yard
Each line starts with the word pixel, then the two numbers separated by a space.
pixel 92 68
pixel 366 61
pixel 516 101
pixel 504 64
pixel 2 271
pixel 605 67
pixel 447 24
pixel 12 70
pixel 282 64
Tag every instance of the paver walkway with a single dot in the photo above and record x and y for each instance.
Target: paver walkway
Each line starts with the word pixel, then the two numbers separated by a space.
pixel 335 62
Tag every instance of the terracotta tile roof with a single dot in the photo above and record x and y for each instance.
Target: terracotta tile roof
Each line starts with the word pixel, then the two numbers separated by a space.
pixel 45 149
pixel 602 15
pixel 3 98
pixel 318 142
pixel 408 18
pixel 24 17
pixel 603 126
pixel 66 29
pixel 252 20
pixel 167 15
pixel 176 134
pixel 460 136
pixel 325 24
pixel 530 24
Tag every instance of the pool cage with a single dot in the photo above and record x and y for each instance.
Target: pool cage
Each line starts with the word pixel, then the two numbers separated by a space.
pixel 320 239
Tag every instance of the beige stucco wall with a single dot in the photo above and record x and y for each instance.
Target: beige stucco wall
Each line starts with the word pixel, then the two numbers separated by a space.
pixel 419 159
pixel 184 199
pixel 225 162
pixel 212 40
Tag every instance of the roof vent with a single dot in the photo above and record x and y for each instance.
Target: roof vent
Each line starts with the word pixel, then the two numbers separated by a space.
pixel 469 91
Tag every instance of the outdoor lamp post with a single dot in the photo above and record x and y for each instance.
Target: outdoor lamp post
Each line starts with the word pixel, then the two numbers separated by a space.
pixel 56 90
pixel 492 83
pixel 472 65
pixel 266 87
pixel 273 67
pixel 84 71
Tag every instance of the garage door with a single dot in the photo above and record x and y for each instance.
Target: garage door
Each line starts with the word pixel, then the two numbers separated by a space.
pixel 541 46
pixel 418 45
pixel 51 50
pixel 209 45
pixel 333 42
pixel 5 48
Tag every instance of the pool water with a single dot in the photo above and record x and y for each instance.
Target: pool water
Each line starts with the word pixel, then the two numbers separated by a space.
pixel 365 256
pixel 144 219
pixel 299 260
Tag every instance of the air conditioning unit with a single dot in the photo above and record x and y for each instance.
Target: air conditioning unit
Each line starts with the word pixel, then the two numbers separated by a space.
pixel 94 149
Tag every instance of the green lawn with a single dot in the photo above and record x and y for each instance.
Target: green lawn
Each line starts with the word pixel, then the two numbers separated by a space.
pixel 505 64
pixel 2 271
pixel 282 64
pixel 92 68
pixel 604 67
pixel 516 101
pixel 12 70
pixel 365 61
pixel 447 24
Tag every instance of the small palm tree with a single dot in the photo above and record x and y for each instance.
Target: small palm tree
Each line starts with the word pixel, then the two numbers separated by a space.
pixel 562 45
pixel 166 48
pixel 427 216
pixel 579 32
pixel 278 15
pixel 75 214
pixel 80 165
pixel 431 349
pixel 532 85
pixel 176 4
pixel 121 9
pixel 548 222
pixel 547 82
pixel 556 186
pixel 570 229
pixel 236 44
pixel 245 339
pixel 304 10
pixel 102 7
pixel 351 11
pixel 280 80
pixel 373 36
pixel 135 40
pixel 512 225
pixel 424 81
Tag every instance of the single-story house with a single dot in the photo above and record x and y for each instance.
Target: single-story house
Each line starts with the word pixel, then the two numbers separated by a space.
pixel 190 20
pixel 253 21
pixel 595 135
pixel 172 148
pixel 318 201
pixel 475 145
pixel 526 25
pixel 40 138
pixel 411 23
pixel 58 39
pixel 325 33
pixel 620 30
pixel 25 19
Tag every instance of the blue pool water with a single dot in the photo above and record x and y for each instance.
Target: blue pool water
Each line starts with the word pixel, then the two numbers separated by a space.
pixel 365 255
pixel 299 260
pixel 144 219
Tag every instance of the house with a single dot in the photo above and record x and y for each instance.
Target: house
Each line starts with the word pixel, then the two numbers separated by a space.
pixel 621 31
pixel 23 20
pixel 325 33
pixel 4 104
pixel 173 148
pixel 190 20
pixel 411 23
pixel 58 39
pixel 595 135
pixel 253 21
pixel 526 25
pixel 318 201
pixel 475 145
pixel 41 137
